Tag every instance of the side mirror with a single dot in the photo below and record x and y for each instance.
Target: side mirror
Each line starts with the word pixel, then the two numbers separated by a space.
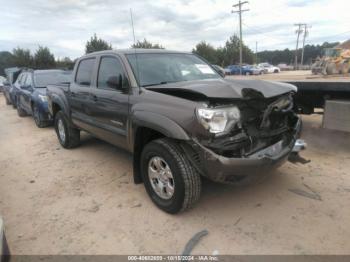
pixel 222 73
pixel 115 82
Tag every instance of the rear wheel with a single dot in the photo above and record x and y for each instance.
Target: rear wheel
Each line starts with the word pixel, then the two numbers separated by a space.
pixel 169 178
pixel 344 69
pixel 38 117
pixel 68 136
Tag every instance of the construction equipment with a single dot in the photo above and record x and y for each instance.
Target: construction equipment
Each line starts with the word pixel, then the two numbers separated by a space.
pixel 335 60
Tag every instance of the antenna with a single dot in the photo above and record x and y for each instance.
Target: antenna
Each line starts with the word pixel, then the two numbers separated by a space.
pixel 137 63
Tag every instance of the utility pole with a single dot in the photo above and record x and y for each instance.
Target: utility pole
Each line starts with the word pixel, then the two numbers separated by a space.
pixel 298 32
pixel 256 52
pixel 240 11
pixel 306 33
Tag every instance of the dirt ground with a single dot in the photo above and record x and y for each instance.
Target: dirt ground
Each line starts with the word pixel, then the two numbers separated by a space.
pixel 83 201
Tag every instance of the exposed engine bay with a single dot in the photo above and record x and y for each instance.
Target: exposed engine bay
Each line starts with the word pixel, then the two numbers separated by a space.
pixel 264 121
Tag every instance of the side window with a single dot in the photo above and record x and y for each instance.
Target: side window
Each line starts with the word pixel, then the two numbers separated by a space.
pixel 18 81
pixel 22 79
pixel 28 81
pixel 110 73
pixel 84 72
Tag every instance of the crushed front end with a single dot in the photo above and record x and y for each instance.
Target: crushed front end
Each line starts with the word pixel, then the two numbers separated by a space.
pixel 262 137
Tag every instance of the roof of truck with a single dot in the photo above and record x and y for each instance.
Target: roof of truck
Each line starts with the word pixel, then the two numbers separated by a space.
pixel 137 51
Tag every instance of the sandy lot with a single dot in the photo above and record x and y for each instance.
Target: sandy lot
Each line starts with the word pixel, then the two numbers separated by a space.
pixel 83 201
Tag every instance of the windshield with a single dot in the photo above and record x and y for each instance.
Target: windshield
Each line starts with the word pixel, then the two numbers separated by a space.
pixel 50 78
pixel 157 69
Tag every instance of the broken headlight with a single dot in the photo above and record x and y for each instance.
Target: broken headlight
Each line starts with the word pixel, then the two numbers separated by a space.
pixel 218 120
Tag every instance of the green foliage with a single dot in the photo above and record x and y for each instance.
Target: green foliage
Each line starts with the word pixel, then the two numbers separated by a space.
pixel 96 44
pixel 224 56
pixel 66 63
pixel 286 56
pixel 147 45
pixel 22 57
pixel 6 60
pixel 43 59
pixel 206 51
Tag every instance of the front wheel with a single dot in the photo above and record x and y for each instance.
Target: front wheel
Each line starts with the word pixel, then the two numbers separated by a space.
pixel 38 117
pixel 169 178
pixel 68 136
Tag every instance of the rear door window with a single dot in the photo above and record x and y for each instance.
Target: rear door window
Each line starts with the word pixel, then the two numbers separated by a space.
pixel 85 71
pixel 22 78
pixel 28 81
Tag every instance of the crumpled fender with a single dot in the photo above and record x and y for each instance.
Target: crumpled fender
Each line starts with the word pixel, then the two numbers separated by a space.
pixel 159 123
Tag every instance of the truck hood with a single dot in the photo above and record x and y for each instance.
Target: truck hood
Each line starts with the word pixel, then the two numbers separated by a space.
pixel 225 88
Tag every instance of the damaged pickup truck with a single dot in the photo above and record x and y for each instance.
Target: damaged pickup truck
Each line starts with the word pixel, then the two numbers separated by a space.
pixel 178 117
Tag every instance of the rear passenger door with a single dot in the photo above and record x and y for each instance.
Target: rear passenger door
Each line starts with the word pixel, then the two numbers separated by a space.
pixel 26 93
pixel 110 98
pixel 80 93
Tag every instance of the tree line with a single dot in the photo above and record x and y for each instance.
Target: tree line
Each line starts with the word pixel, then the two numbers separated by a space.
pixel 228 54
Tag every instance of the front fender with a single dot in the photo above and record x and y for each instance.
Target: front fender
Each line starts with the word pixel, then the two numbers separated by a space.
pixel 159 123
pixel 62 103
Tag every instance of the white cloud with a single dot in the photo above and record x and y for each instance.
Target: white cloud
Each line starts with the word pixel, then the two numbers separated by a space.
pixel 64 26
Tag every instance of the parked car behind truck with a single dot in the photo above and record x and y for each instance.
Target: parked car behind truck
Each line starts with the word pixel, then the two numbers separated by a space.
pixel 178 117
pixel 31 95
pixel 11 78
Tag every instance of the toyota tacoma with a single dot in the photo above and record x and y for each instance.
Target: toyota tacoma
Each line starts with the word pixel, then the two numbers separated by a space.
pixel 178 117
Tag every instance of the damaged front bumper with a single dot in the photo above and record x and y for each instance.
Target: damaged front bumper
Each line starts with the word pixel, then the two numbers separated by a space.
pixel 225 169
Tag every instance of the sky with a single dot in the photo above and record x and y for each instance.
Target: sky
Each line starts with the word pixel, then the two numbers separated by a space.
pixel 65 25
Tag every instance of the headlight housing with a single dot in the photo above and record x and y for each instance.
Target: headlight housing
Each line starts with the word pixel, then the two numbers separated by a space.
pixel 43 98
pixel 218 120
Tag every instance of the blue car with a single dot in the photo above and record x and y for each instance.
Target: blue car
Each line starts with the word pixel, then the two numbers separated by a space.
pixel 11 78
pixel 31 97
pixel 235 70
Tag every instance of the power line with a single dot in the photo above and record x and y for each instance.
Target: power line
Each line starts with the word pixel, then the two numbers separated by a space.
pixel 240 11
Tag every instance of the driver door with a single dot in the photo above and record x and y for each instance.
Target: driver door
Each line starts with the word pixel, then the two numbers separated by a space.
pixel 109 100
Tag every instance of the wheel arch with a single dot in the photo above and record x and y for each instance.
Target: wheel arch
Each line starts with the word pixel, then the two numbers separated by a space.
pixel 146 127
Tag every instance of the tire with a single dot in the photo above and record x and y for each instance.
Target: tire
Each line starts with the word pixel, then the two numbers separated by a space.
pixel 275 71
pixel 185 179
pixel 5 250
pixel 14 103
pixel 20 111
pixel 38 117
pixel 331 69
pixel 344 69
pixel 71 137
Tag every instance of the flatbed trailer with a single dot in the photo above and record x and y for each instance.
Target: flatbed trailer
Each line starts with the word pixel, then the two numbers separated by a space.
pixel 312 93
